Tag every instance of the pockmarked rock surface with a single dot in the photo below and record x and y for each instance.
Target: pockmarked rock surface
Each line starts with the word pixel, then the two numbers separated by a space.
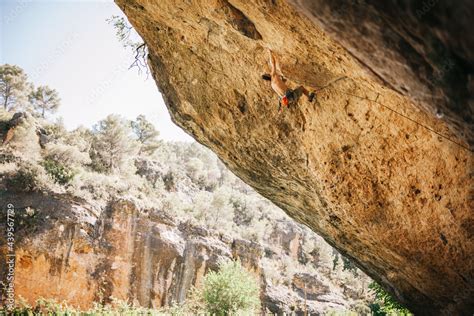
pixel 420 49
pixel 368 165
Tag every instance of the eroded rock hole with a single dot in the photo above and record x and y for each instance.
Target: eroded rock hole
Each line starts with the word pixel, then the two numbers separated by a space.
pixel 334 220
pixel 241 102
pixel 443 238
pixel 240 22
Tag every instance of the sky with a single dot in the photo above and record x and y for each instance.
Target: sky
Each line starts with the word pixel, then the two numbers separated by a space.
pixel 69 46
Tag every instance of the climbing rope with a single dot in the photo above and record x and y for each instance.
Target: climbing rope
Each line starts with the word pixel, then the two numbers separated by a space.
pixel 331 83
pixel 394 111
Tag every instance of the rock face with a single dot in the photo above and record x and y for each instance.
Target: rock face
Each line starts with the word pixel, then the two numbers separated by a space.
pixel 69 250
pixel 417 48
pixel 366 166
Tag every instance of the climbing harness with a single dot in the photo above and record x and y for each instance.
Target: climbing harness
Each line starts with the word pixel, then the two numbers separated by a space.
pixel 282 100
pixel 288 97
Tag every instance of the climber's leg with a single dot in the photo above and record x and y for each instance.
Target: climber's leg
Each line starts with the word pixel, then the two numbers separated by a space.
pixel 298 92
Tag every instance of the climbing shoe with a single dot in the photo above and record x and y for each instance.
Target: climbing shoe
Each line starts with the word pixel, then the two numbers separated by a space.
pixel 311 97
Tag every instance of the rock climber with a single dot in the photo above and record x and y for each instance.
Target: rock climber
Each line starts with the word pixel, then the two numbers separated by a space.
pixel 286 95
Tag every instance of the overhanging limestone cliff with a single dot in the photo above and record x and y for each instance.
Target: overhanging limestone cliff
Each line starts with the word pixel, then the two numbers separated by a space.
pixel 419 48
pixel 361 165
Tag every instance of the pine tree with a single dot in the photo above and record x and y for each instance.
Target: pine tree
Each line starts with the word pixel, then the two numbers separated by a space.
pixel 146 134
pixel 113 146
pixel 44 99
pixel 14 87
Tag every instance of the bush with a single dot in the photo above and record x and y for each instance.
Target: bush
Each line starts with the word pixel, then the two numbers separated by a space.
pixel 56 131
pixel 66 155
pixel 230 290
pixel 26 179
pixel 384 303
pixel 25 141
pixel 116 307
pixel 169 181
pixel 60 173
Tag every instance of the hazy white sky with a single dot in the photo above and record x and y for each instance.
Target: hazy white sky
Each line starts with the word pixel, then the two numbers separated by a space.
pixel 69 46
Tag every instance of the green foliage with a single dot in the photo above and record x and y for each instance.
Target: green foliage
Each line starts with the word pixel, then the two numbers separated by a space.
pixel 26 178
pixel 14 88
pixel 355 310
pixel 335 259
pixel 55 131
pixel 385 303
pixel 115 307
pixel 67 155
pixel 123 31
pixel 25 140
pixel 44 99
pixel 60 173
pixel 335 312
pixel 169 181
pixel 347 264
pixel 376 309
pixel 230 290
pixel 241 215
pixel 113 146
pixel 146 134
pixel 130 40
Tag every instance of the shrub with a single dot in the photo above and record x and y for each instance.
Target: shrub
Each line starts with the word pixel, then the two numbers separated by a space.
pixel 55 131
pixel 336 312
pixel 230 290
pixel 66 155
pixel 26 178
pixel 81 138
pixel 25 141
pixel 384 303
pixel 60 173
pixel 169 181
pixel 115 307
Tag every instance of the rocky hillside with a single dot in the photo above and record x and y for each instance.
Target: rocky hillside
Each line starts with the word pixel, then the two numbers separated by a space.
pixel 67 251
pixel 147 233
pixel 369 165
